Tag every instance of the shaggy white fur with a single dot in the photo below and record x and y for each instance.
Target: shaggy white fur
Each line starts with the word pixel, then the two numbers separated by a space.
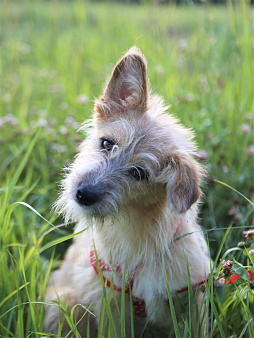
pixel 134 180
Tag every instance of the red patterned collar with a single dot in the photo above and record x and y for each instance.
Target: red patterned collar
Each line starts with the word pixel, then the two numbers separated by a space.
pixel 139 307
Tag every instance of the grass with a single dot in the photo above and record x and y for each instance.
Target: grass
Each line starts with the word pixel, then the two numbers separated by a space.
pixel 200 59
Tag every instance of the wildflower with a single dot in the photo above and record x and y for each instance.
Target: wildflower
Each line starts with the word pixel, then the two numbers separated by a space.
pixel 249 116
pixel 42 123
pixel 250 150
pixel 245 128
pixel 227 267
pixel 51 132
pixel 83 99
pixel 56 88
pixel 235 277
pixel 202 155
pixel 249 234
pixel 251 252
pixel 63 130
pixel 234 212
pixel 43 112
pixel 52 121
pixel 182 45
pixel 242 245
pixel 52 88
pixel 219 282
pixel 209 137
pixel 11 119
pixel 2 121
pixel 70 121
pixel 159 69
pixel 58 148
pixel 78 139
pixel 225 169
pixel 251 274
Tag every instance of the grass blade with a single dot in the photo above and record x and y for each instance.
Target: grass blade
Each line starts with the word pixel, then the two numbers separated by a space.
pixel 238 192
pixel 60 240
pixel 172 309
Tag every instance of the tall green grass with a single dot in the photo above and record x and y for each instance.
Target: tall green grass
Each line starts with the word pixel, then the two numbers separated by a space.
pixel 200 60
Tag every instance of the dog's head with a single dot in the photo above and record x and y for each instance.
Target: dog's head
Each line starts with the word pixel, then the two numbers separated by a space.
pixel 135 155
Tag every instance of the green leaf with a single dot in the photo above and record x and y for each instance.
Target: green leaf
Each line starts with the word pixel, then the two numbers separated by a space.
pixel 59 240
pixel 230 250
pixel 240 270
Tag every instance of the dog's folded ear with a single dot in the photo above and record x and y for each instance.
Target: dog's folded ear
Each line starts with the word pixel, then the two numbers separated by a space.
pixel 183 175
pixel 127 87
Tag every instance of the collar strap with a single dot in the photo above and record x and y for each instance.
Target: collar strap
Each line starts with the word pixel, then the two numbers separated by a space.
pixel 177 228
pixel 139 307
pixel 195 285
pixel 138 304
pixel 106 267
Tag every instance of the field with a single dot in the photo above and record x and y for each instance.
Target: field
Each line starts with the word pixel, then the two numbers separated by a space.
pixel 55 57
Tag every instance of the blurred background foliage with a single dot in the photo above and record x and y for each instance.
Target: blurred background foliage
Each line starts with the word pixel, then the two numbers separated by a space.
pixel 55 56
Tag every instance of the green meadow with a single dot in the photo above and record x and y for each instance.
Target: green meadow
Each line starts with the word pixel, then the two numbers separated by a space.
pixel 55 57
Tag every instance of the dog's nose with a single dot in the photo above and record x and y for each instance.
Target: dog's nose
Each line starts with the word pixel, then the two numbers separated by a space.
pixel 86 195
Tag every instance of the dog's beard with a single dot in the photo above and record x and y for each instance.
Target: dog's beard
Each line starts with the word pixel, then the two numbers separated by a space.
pixel 73 212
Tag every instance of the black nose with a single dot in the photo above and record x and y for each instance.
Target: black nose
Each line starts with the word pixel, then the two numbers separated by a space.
pixel 86 195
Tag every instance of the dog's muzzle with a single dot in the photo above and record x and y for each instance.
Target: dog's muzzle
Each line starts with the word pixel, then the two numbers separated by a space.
pixel 86 195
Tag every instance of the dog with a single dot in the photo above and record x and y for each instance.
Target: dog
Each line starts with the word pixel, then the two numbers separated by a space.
pixel 135 188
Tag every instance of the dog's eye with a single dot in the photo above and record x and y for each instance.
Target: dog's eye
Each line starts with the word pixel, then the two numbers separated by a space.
pixel 138 173
pixel 107 145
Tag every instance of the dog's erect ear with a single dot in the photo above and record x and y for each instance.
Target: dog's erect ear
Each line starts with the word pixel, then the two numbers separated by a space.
pixel 184 176
pixel 127 87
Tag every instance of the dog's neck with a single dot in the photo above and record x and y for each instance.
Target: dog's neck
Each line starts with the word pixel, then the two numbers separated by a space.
pixel 137 235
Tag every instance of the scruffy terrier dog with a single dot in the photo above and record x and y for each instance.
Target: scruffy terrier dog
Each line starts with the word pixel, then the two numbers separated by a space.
pixel 134 186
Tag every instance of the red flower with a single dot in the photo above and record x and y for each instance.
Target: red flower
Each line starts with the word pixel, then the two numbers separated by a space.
pixel 234 277
pixel 251 274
